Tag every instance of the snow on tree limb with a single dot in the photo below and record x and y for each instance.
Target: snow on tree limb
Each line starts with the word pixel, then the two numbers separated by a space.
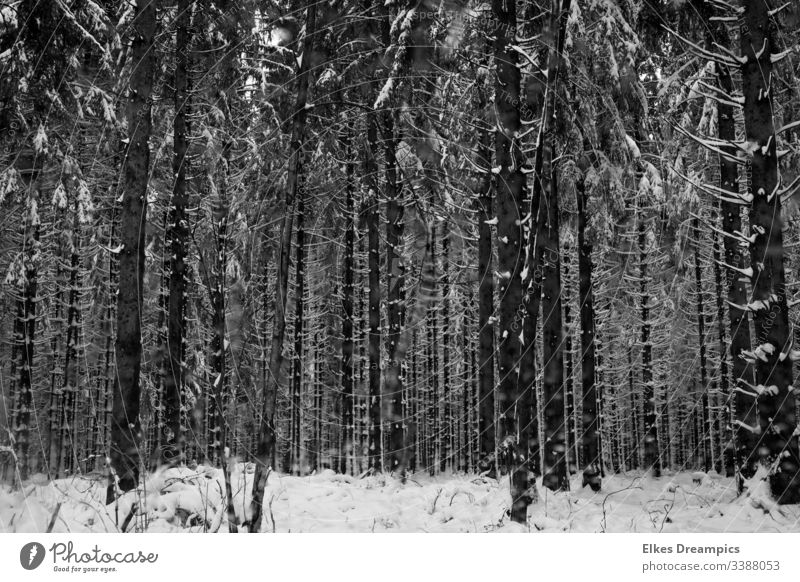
pixel 726 57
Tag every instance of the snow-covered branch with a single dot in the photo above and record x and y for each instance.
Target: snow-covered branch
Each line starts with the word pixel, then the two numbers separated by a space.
pixel 726 57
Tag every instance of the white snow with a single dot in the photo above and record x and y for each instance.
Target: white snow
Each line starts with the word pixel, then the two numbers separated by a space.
pixel 632 147
pixel 40 143
pixel 383 96
pixel 59 199
pixel 9 182
pixel 186 500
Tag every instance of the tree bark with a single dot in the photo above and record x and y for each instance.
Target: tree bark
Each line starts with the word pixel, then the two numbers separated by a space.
pixel 374 308
pixel 487 449
pixel 701 344
pixel 25 333
pixel 395 280
pixel 446 461
pixel 69 434
pixel 651 452
pixel 266 436
pixel 509 195
pixel 590 441
pixel 295 464
pixel 555 455
pixel 348 428
pixel 125 421
pixel 536 243
pixel 723 394
pixel 744 455
pixel 570 436
pixel 777 444
pixel 178 237
pixel 217 420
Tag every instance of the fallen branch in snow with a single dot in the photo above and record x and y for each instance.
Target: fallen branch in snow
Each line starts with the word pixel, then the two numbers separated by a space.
pixel 128 518
pixel 667 509
pixel 603 506
pixel 467 493
pixel 53 517
pixel 435 499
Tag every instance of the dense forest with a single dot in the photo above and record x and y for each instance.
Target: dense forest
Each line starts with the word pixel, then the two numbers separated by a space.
pixel 518 239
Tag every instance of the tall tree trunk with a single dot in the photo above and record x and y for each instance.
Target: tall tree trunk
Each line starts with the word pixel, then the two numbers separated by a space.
pixel 724 383
pixel 634 434
pixel 362 364
pixel 266 433
pixel 69 436
pixel 571 440
pixel 434 406
pixel 374 308
pixel 125 421
pixel 107 382
pixel 217 418
pixel 295 465
pixel 651 454
pixel 55 410
pixel 536 242
pixel 446 460
pixel 590 441
pixel 178 238
pixel 701 344
pixel 509 196
pixel 467 389
pixel 555 467
pixel 776 402
pixel 348 428
pixel 25 333
pixel 486 337
pixel 744 456
pixel 395 280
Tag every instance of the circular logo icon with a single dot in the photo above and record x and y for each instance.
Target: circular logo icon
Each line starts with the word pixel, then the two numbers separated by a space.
pixel 31 555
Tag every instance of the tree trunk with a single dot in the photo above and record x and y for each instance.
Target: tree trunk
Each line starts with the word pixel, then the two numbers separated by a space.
pixel 55 410
pixel 509 196
pixel 348 428
pixel 776 403
pixel 590 441
pixel 744 456
pixel 395 280
pixel 217 419
pixel 178 237
pixel 651 452
pixel 724 384
pixel 374 308
pixel 25 333
pixel 446 461
pixel 266 436
pixel 555 467
pixel 106 381
pixel 125 421
pixel 486 340
pixel 536 247
pixel 69 436
pixel 571 440
pixel 434 406
pixel 295 465
pixel 701 344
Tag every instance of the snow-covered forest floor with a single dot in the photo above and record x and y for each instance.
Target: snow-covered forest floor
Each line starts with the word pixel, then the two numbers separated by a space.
pixel 185 500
